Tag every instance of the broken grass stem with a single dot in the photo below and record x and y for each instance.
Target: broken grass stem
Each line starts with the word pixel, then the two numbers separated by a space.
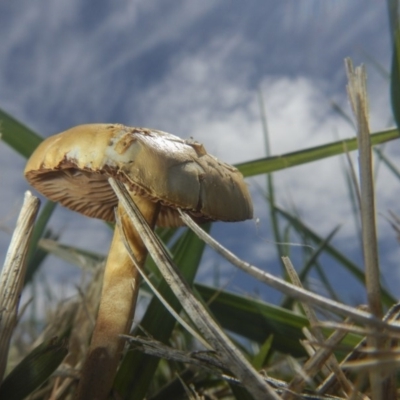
pixel 230 355
pixel 287 288
pixel 13 274
pixel 357 93
pixel 188 327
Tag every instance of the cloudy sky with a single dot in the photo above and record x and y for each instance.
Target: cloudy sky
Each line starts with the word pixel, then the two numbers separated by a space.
pixel 194 69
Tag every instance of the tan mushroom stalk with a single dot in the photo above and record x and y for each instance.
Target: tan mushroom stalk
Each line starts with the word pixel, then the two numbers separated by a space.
pixel 117 306
pixel 162 173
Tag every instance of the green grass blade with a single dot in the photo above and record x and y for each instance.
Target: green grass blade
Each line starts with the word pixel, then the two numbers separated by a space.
pixel 351 267
pixel 310 262
pixel 35 254
pixel 393 6
pixel 137 369
pixel 18 136
pixel 275 163
pixel 389 164
pixel 241 393
pixel 256 320
pixel 325 282
pixel 259 360
pixel 174 388
pixel 81 258
pixel 270 184
pixel 33 370
pixel 23 140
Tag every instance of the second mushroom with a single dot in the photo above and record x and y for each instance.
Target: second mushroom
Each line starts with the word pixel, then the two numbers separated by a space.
pixel 162 173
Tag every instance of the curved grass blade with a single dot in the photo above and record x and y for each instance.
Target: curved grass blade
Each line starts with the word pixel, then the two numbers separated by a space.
pixel 34 369
pixel 275 163
pixel 18 136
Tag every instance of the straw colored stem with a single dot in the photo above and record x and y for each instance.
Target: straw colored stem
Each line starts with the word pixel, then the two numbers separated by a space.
pixel 357 93
pixel 13 275
pixel 117 306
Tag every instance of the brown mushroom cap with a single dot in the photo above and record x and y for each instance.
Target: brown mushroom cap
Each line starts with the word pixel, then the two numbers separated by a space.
pixel 73 167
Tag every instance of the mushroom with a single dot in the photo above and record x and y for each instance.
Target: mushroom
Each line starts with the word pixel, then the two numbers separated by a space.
pixel 162 173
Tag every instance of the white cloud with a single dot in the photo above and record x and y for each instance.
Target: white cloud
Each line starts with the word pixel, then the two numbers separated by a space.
pixel 199 100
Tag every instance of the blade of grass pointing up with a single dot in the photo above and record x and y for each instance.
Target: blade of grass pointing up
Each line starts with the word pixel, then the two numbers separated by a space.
pixel 311 262
pixel 13 274
pixel 351 267
pixel 34 369
pixel 35 255
pixel 393 8
pixel 270 183
pixel 23 140
pixel 17 135
pixel 357 93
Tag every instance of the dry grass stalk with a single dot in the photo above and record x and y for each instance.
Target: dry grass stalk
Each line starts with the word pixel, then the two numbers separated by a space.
pixel 384 326
pixel 229 354
pixel 76 316
pixel 287 288
pixel 323 356
pixel 13 274
pixel 357 93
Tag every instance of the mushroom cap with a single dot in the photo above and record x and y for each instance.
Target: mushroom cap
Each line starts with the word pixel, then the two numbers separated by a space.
pixel 73 168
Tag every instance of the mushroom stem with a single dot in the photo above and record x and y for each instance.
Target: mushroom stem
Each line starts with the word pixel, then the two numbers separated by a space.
pixel 117 306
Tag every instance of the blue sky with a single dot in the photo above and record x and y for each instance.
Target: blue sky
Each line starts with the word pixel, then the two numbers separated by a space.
pixel 193 69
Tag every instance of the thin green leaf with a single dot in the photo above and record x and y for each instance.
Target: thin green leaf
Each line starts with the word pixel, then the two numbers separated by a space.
pixel 256 320
pixel 393 6
pixel 288 302
pixel 355 270
pixel 322 277
pixel 270 184
pixel 23 140
pixel 18 136
pixel 81 258
pixel 35 255
pixel 342 113
pixel 260 358
pixel 354 196
pixel 392 167
pixel 241 393
pixel 33 370
pixel 276 163
pixel 174 389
